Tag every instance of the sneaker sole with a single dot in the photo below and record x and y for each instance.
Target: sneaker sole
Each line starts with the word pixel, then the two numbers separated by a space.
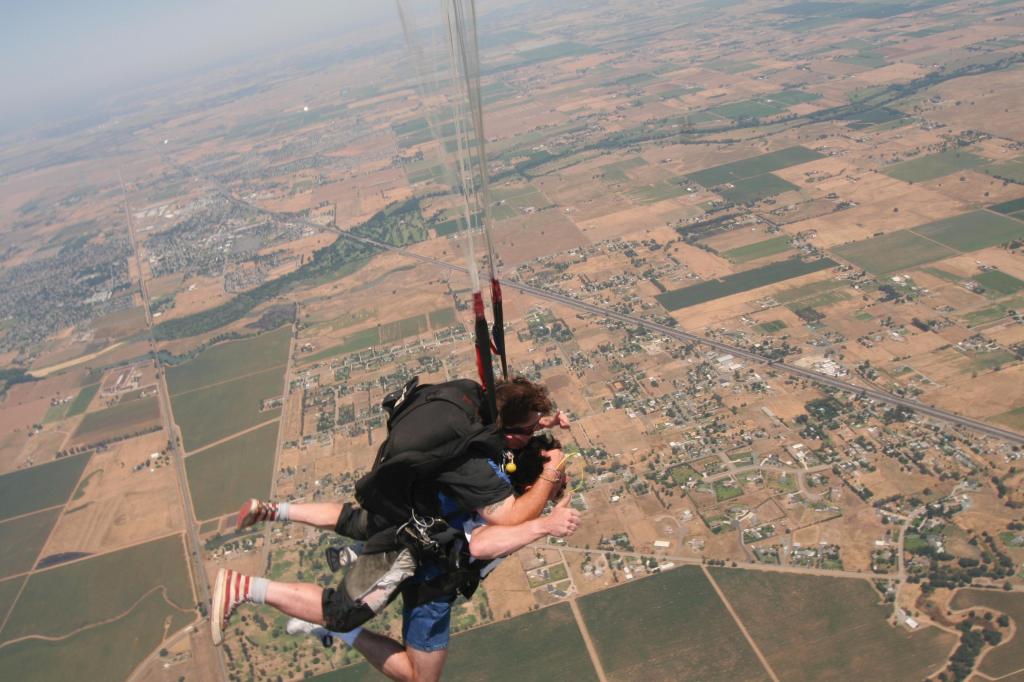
pixel 217 608
pixel 247 510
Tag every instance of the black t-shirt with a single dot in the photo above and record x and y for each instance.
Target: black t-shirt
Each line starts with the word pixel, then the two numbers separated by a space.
pixel 475 482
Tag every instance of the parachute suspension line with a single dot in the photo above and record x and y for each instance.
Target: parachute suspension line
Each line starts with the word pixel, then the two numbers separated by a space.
pixel 468 55
pixel 455 92
pixel 476 204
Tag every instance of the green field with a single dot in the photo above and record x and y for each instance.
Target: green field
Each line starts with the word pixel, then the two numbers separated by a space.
pixel 892 252
pixel 1013 169
pixel 671 626
pixel 757 165
pixel 400 329
pixel 543 645
pixel 616 172
pixel 82 400
pixel 229 360
pixel 851 638
pixel 122 418
pixel 790 97
pixel 767 247
pixel 208 414
pixel 22 540
pixel 751 108
pixel 360 340
pixel 55 602
pixel 729 66
pixel 756 188
pixel 8 593
pixel 943 275
pixel 1008 657
pixel 725 492
pixel 442 318
pixel 105 652
pixel 659 191
pixel 772 326
pixel 39 487
pixel 973 231
pixel 222 477
pixel 813 289
pixel 1014 418
pixel 999 282
pixel 742 281
pixel 934 166
pixel 1008 207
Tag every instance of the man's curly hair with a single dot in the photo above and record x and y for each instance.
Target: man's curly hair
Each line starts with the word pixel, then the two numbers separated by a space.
pixel 519 398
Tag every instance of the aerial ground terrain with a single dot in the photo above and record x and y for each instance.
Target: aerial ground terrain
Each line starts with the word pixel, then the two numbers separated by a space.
pixel 768 256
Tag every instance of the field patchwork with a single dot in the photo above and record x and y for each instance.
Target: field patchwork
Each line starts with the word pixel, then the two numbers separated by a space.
pixel 761 249
pixel 209 414
pixel 222 477
pixel 742 281
pixel 23 539
pixel 129 417
pixel 40 487
pixel 851 637
pixel 230 360
pixel 934 166
pixel 671 626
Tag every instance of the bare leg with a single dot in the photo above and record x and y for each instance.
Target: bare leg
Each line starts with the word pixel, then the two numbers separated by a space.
pixel 398 663
pixel 320 514
pixel 301 600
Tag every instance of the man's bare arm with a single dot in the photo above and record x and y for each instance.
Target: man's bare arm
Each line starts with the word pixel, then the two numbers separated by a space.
pixel 491 542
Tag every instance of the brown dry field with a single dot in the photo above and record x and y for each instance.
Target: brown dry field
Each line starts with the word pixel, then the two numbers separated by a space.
pixel 522 239
pixel 855 531
pixel 117 507
pixel 995 98
pixel 508 589
pixel 976 189
pixel 741 236
pixel 208 292
pixel 989 394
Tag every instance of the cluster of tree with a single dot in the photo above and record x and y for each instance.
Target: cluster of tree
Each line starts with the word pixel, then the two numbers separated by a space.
pixel 11 376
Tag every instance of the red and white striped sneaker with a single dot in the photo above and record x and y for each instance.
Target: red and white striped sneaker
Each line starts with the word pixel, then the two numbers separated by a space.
pixel 254 511
pixel 230 590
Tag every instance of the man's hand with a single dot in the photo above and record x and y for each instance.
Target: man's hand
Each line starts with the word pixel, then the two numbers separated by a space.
pixel 563 519
pixel 555 459
pixel 559 419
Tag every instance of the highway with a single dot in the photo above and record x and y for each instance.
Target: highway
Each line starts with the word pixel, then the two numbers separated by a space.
pixel 680 335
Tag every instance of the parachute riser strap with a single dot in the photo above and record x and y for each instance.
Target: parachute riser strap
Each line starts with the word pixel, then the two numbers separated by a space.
pixel 485 366
pixel 498 329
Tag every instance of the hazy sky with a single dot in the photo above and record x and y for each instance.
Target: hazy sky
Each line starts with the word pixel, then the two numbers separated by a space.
pixel 61 50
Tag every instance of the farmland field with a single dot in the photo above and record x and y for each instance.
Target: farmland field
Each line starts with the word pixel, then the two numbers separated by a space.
pixel 229 360
pixel 841 616
pixel 442 317
pixel 105 652
pixel 767 247
pixel 1013 169
pixel 122 418
pixel 53 602
pixel 671 626
pixel 8 592
pixel 747 109
pixel 82 400
pixel 221 477
pixel 757 165
pixel 999 282
pixel 359 340
pixel 22 539
pixel 743 281
pixel 542 645
pixel 1009 655
pixel 973 231
pixel 892 252
pixel 208 414
pixel 934 166
pixel 756 188
pixel 39 487
pixel 1009 207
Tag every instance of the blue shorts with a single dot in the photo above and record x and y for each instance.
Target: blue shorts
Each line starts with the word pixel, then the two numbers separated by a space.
pixel 427 627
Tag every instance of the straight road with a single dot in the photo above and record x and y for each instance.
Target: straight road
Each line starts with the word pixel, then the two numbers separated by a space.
pixel 737 351
pixel 195 547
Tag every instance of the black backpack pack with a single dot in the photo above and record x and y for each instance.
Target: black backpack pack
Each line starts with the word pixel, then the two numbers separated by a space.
pixel 431 427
